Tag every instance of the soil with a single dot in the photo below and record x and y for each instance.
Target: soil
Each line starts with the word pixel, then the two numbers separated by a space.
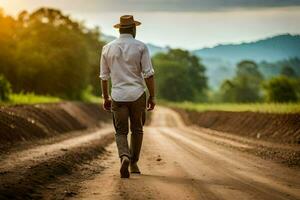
pixel 185 162
pixel 23 123
pixel 272 136
pixel 24 174
pixel 281 128
pixel 178 161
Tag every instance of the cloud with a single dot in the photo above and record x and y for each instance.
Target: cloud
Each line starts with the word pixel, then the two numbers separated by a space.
pixel 157 5
pixel 179 5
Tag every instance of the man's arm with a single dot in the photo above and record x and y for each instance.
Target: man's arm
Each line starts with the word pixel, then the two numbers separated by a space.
pixel 151 88
pixel 105 95
pixel 104 88
pixel 105 75
pixel 148 73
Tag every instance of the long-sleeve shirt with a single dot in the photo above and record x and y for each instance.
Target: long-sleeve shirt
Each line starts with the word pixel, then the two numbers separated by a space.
pixel 127 62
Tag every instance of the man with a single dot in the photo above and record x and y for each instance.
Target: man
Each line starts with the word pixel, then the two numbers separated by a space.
pixel 127 62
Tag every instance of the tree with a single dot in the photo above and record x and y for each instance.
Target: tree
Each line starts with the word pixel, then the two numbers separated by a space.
pixel 8 63
pixel 288 72
pixel 280 89
pixel 228 91
pixel 46 52
pixel 245 86
pixel 180 76
pixel 5 89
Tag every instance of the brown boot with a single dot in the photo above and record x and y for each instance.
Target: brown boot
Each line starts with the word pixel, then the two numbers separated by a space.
pixel 124 167
pixel 134 168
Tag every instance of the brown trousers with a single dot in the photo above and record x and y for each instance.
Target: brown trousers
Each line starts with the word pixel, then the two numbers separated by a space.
pixel 134 111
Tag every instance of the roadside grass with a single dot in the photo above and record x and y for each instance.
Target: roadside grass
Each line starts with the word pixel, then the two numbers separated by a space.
pixel 30 98
pixel 234 107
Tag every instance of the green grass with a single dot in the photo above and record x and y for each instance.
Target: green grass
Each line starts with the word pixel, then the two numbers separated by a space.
pixel 255 107
pixel 31 98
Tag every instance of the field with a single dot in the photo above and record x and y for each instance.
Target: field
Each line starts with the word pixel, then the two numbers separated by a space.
pixel 282 108
pixel 31 98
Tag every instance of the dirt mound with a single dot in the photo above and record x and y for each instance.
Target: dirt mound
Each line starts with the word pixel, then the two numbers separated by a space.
pixel 30 122
pixel 283 128
pixel 33 177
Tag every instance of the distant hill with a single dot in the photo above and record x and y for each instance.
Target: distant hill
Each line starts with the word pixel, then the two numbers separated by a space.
pixel 152 48
pixel 156 49
pixel 107 38
pixel 220 61
pixel 270 49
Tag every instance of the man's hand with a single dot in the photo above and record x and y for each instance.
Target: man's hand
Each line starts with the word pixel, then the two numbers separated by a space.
pixel 151 103
pixel 107 104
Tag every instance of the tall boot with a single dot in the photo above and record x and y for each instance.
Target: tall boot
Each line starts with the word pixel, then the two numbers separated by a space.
pixel 135 148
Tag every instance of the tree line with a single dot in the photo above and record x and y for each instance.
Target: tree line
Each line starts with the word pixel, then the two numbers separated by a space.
pixel 46 52
pixel 181 77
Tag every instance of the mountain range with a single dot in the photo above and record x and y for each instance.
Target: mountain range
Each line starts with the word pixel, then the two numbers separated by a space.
pixel 220 61
pixel 270 49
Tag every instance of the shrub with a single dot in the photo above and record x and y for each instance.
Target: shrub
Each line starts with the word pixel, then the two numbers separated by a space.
pixel 280 89
pixel 5 89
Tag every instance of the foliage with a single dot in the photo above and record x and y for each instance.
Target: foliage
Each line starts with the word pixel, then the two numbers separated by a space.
pixel 280 89
pixel 245 86
pixel 273 69
pixel 31 98
pixel 5 89
pixel 234 107
pixel 288 72
pixel 180 76
pixel 46 52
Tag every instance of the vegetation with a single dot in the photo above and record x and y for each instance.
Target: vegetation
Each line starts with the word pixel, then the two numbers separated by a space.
pixel 5 89
pixel 245 86
pixel 283 67
pixel 46 52
pixel 253 107
pixel 280 89
pixel 288 72
pixel 31 98
pixel 45 56
pixel 180 76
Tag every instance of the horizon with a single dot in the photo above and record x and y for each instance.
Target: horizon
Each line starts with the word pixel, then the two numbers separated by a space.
pixel 207 24
pixel 224 44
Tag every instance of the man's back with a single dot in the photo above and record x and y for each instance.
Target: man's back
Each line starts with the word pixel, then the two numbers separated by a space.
pixel 127 61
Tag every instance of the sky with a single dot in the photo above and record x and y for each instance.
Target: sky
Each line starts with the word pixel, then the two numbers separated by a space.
pixel 189 24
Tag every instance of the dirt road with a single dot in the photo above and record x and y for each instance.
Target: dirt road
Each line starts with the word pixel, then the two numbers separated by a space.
pixel 179 162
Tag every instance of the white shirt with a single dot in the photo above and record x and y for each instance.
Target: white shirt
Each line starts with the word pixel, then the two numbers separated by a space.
pixel 127 62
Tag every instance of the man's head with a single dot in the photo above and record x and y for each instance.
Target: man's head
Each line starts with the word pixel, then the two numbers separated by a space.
pixel 129 30
pixel 127 25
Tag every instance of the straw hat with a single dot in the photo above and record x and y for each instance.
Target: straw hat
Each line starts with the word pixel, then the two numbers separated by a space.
pixel 127 21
